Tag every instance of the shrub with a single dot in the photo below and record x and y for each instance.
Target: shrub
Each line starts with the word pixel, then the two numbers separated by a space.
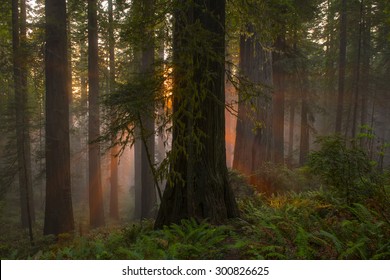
pixel 345 168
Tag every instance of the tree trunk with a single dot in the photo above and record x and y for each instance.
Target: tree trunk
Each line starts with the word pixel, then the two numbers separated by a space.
pixel 242 160
pixel 58 211
pixel 342 65
pixel 279 80
pixel 114 207
pixel 146 199
pixel 22 120
pixel 329 98
pixel 291 126
pixel 254 114
pixel 366 59
pixel 198 183
pixel 357 84
pixel 96 210
pixel 304 140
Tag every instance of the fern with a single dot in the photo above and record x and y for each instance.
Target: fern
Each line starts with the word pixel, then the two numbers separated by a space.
pixel 302 242
pixel 335 240
pixel 355 250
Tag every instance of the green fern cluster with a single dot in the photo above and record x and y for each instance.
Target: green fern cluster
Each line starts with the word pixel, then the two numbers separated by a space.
pixel 306 225
pixel 188 240
pixel 313 225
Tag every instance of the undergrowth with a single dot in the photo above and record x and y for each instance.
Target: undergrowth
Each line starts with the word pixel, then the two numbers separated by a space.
pixel 306 225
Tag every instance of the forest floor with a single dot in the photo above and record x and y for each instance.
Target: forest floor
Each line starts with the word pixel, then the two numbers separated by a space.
pixel 312 224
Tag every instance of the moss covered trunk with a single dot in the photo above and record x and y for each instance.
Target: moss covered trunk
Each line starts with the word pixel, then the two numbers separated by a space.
pixel 198 181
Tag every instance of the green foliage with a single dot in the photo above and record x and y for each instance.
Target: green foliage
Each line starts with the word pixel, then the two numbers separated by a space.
pixel 313 225
pixel 307 225
pixel 345 168
pixel 189 240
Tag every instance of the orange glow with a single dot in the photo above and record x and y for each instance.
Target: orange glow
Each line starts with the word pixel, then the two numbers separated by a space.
pixel 168 86
pixel 230 123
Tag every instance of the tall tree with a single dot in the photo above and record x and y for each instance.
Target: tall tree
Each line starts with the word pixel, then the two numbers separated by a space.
pixel 278 99
pixel 22 119
pixel 366 61
pixel 146 199
pixel 305 129
pixel 114 209
pixel 96 210
pixel 357 83
pixel 253 132
pixel 198 185
pixel 58 211
pixel 342 65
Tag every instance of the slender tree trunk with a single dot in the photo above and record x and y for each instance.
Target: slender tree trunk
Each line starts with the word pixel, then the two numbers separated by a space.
pixel 146 199
pixel 114 207
pixel 342 65
pixel 366 60
pixel 358 69
pixel 198 184
pixel 58 211
pixel 83 191
pixel 22 120
pixel 304 139
pixel 330 96
pixel 96 210
pixel 279 80
pixel 291 133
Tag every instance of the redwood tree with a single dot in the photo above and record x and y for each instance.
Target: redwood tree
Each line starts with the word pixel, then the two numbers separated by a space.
pixel 278 99
pixel 58 211
pixel 253 132
pixel 144 147
pixel 22 120
pixel 342 65
pixel 114 209
pixel 96 210
pixel 198 182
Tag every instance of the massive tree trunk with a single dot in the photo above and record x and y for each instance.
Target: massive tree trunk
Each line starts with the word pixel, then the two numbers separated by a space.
pixel 96 210
pixel 146 199
pixel 198 182
pixel 58 211
pixel 342 65
pixel 253 132
pixel 114 207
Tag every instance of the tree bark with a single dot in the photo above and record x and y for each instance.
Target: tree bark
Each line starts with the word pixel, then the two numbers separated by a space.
pixel 342 65
pixel 253 132
pixel 305 132
pixel 114 207
pixel 279 80
pixel 357 84
pixel 96 210
pixel 198 183
pixel 58 211
pixel 366 60
pixel 146 199
pixel 22 119
pixel 291 126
